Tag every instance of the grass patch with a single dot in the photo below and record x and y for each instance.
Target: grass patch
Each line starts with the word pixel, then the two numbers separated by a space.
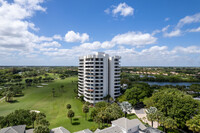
pixel 54 107
pixel 132 116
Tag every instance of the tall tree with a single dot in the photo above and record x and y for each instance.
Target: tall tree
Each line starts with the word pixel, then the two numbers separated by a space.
pixel 33 117
pixel 85 110
pixel 70 115
pixel 136 94
pixel 194 124
pixel 126 107
pixel 68 106
pixel 151 114
pixel 175 104
pixel 53 92
pixel 62 87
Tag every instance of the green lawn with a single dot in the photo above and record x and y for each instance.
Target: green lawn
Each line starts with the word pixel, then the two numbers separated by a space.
pixel 55 108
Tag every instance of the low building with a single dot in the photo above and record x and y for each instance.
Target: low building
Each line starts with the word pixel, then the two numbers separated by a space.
pixel 59 130
pixel 14 129
pixel 124 125
pixel 85 131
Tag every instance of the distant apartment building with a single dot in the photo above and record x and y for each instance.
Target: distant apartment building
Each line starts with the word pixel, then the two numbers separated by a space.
pixel 98 77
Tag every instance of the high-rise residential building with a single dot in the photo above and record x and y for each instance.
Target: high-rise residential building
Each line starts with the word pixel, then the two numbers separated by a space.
pixel 98 77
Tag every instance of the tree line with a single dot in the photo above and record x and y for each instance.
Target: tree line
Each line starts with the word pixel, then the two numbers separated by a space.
pixel 26 117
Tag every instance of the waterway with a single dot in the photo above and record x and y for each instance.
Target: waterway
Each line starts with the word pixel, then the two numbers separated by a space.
pixel 171 83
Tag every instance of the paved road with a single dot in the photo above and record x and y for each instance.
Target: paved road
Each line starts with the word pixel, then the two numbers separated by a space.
pixel 139 111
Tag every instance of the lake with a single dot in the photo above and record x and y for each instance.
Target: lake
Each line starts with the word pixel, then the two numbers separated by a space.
pixel 171 83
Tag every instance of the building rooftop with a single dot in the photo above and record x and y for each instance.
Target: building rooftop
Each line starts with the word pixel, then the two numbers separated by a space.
pixel 84 131
pixel 127 124
pixel 114 129
pixel 152 130
pixel 29 131
pixel 14 129
pixel 59 130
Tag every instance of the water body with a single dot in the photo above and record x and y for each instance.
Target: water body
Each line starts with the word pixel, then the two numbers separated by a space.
pixel 171 83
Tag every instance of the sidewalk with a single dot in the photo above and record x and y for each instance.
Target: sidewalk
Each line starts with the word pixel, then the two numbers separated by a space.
pixel 142 115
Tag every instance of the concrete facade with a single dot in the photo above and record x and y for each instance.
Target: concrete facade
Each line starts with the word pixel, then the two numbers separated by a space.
pixel 98 76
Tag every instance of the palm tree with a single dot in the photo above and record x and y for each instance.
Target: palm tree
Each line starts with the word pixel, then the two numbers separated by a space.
pixel 158 116
pixel 93 113
pixel 53 92
pixel 126 107
pixel 33 117
pixel 102 116
pixel 85 110
pixel 151 114
pixel 62 86
pixel 68 106
pixel 2 121
pixel 98 120
pixel 70 115
pixel 8 95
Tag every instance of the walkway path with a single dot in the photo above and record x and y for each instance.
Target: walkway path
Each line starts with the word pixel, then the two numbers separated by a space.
pixel 143 116
pixel 2 99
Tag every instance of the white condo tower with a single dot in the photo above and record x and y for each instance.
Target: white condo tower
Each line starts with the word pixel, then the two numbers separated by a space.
pixel 98 76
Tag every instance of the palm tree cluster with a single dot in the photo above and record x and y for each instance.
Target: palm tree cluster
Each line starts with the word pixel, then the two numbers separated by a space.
pixel 70 113
pixel 105 113
pixel 12 91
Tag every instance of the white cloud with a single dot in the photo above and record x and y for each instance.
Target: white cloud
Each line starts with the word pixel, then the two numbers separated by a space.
pixel 188 20
pixel 155 32
pixel 91 46
pixel 167 19
pixel 57 37
pixel 14 27
pixel 122 9
pixel 165 28
pixel 31 4
pixel 173 33
pixel 177 31
pixel 32 26
pixel 187 50
pixel 194 30
pixel 134 39
pixel 50 44
pixel 71 36
pixel 107 11
pixel 155 49
pixel 107 45
pixel 158 56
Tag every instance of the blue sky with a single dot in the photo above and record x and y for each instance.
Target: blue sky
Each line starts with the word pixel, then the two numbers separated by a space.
pixel 142 32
